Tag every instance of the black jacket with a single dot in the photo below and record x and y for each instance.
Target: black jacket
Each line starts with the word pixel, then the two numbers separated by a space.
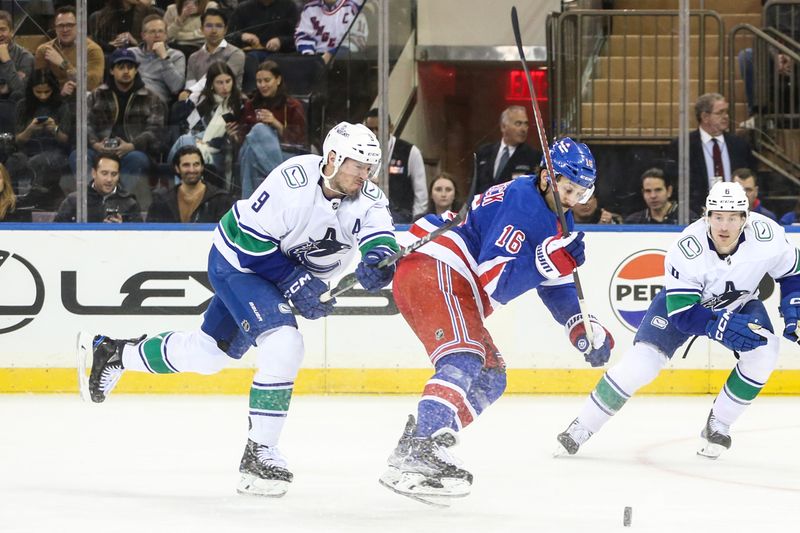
pixel 99 207
pixel 213 206
pixel 738 150
pixel 524 160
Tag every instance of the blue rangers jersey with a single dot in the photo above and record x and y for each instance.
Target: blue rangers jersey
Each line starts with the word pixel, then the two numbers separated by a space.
pixel 288 221
pixel 494 248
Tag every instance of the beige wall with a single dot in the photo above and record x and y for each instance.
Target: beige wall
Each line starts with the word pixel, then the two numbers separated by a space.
pixel 450 22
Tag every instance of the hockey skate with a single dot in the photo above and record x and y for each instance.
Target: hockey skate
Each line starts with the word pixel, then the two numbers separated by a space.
pixel 572 438
pixel 264 471
pixel 717 438
pixel 423 470
pixel 105 356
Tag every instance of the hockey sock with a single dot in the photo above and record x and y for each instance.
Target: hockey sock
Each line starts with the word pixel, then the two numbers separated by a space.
pixel 486 389
pixel 745 381
pixel 639 367
pixel 444 400
pixel 280 352
pixel 175 351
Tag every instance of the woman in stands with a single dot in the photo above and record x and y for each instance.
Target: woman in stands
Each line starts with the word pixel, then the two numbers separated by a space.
pixel 8 201
pixel 274 125
pixel 210 121
pixel 442 194
pixel 182 18
pixel 43 130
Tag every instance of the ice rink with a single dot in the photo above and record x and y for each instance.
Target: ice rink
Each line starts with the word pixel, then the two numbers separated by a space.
pixel 169 463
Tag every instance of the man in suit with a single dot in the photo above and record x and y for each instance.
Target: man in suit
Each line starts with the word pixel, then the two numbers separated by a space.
pixel 713 152
pixel 512 156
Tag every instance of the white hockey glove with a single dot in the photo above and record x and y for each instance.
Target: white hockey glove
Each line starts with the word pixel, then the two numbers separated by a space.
pixel 599 351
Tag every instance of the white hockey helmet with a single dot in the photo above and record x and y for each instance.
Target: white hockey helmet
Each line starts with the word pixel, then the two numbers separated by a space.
pixel 727 196
pixel 353 141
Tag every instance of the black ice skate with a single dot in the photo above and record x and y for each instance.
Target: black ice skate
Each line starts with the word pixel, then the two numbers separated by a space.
pixel 572 438
pixel 264 471
pixel 717 438
pixel 428 473
pixel 106 364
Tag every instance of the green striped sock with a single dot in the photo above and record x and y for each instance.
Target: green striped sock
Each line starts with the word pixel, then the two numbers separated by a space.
pixel 155 355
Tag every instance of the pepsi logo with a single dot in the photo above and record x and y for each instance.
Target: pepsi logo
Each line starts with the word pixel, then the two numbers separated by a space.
pixel 634 284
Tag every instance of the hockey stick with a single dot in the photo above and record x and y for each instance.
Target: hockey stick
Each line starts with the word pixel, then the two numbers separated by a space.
pixel 551 176
pixel 349 281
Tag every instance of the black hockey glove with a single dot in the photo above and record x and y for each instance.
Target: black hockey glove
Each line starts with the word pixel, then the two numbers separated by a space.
pixel 304 290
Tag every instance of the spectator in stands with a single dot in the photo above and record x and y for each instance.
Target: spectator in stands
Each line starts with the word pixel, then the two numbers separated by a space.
pixel 162 68
pixel 264 26
pixel 184 31
pixel 325 27
pixel 210 118
pixel 657 191
pixel 10 210
pixel 792 218
pixel 749 182
pixel 713 152
pixel 192 200
pixel 498 162
pixel 59 55
pixel 16 63
pixel 215 49
pixel 408 190
pixel 126 119
pixel 592 213
pixel 43 126
pixel 107 200
pixel 442 194
pixel 273 125
pixel 119 23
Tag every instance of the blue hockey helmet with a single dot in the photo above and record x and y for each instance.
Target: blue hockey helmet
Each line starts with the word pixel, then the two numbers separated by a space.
pixel 574 161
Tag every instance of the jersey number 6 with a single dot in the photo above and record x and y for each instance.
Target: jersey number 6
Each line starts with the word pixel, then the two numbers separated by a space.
pixel 510 239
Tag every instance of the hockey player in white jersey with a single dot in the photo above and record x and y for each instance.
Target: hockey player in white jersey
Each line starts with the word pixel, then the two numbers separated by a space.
pixel 712 273
pixel 327 25
pixel 301 226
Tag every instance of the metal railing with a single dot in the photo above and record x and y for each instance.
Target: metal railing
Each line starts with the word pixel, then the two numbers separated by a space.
pixel 614 73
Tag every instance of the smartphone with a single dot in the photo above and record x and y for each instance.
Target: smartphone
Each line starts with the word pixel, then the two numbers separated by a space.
pixel 112 211
pixel 41 119
pixel 111 144
pixel 229 117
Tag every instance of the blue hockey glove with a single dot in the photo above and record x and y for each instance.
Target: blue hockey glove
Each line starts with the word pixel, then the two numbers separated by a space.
pixel 369 275
pixel 596 353
pixel 790 310
pixel 735 331
pixel 557 257
pixel 304 290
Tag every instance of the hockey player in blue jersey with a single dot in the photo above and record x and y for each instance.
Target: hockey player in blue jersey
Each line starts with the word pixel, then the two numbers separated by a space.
pixel 711 277
pixel 511 242
pixel 301 226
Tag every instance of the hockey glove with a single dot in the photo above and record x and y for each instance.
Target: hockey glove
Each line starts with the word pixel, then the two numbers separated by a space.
pixel 557 256
pixel 304 290
pixel 599 351
pixel 369 275
pixel 736 331
pixel 790 309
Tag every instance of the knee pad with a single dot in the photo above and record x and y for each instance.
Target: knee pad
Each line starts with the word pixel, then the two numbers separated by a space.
pixel 279 352
pixel 640 366
pixel 459 368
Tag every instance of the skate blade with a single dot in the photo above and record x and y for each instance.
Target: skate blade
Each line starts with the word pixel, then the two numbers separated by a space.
pixel 411 486
pixel 255 486
pixel 83 354
pixel 711 451
pixel 441 503
pixel 563 450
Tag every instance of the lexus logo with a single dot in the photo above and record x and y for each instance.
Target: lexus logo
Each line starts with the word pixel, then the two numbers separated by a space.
pixel 16 271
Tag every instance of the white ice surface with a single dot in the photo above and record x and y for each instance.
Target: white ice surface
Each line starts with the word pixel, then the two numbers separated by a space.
pixel 151 464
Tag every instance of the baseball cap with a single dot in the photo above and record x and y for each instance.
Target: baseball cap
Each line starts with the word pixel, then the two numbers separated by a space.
pixel 121 55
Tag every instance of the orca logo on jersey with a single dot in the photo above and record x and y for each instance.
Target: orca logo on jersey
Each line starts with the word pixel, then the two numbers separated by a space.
pixel 18 272
pixel 634 284
pixel 328 245
pixel 721 301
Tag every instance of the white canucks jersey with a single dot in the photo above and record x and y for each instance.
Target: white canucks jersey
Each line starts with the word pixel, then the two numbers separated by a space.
pixel 321 28
pixel 287 220
pixel 695 273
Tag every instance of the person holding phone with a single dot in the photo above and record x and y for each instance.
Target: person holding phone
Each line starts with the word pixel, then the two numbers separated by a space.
pixel 43 127
pixel 209 120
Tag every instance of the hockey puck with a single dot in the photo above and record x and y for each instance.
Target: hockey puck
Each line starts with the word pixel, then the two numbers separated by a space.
pixel 626 516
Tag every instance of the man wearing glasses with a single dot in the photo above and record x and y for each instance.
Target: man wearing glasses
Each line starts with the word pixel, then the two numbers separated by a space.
pixel 714 153
pixel 216 48
pixel 59 55
pixel 161 67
